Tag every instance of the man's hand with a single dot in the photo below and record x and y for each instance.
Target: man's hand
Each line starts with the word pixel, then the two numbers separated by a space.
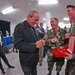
pixel 1 43
pixel 54 40
pixel 40 43
pixel 69 56
pixel 67 35
pixel 61 47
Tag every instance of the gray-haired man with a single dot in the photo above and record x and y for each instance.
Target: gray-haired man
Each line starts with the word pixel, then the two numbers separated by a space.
pixel 26 41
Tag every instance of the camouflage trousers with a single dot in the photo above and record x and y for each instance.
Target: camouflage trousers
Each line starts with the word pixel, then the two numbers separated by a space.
pixel 59 63
pixel 70 68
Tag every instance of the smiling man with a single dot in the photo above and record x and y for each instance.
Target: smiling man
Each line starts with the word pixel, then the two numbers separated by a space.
pixel 26 41
pixel 55 38
pixel 70 68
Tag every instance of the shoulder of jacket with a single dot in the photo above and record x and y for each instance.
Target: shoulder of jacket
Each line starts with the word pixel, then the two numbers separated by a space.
pixel 49 31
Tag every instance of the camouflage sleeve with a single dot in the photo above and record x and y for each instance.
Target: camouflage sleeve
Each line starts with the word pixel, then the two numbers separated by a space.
pixel 47 39
pixel 65 43
pixel 64 39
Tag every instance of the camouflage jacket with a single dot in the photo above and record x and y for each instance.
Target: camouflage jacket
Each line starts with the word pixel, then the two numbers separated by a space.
pixel 72 31
pixel 60 35
pixel 72 28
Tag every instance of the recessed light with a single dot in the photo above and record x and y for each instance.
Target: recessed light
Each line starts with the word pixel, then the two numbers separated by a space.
pixel 42 2
pixel 8 10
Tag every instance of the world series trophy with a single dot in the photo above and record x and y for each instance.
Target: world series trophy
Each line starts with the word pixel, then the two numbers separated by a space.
pixel 70 49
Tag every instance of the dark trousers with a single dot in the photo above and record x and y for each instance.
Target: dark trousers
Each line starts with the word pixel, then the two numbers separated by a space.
pixel 1 67
pixel 2 55
pixel 59 64
pixel 29 70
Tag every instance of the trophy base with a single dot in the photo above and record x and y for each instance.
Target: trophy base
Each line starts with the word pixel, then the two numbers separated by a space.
pixel 70 49
pixel 61 53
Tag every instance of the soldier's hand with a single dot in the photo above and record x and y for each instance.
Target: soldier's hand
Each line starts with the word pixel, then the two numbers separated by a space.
pixel 69 56
pixel 61 47
pixel 67 35
pixel 54 40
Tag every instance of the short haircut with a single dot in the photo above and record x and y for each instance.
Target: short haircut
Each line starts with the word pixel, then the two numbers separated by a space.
pixel 55 18
pixel 32 11
pixel 71 6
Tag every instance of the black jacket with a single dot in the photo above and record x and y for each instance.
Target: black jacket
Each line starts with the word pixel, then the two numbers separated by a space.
pixel 24 41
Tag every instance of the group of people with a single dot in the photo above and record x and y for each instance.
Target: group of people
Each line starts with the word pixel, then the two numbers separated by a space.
pixel 27 41
pixel 3 56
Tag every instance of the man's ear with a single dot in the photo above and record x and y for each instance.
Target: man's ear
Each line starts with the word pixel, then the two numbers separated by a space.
pixel 28 17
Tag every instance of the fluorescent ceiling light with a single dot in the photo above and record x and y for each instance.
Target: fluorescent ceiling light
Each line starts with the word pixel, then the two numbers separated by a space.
pixel 44 19
pixel 8 10
pixel 66 19
pixel 42 2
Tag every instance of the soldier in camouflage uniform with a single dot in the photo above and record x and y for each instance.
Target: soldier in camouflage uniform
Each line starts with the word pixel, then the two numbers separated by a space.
pixel 55 38
pixel 70 68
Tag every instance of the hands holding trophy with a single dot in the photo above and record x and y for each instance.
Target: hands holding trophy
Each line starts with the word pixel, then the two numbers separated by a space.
pixel 40 43
pixel 67 51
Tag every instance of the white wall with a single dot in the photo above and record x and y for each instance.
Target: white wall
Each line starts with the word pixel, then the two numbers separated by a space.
pixel 12 26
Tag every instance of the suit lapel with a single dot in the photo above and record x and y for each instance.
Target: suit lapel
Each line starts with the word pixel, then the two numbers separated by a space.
pixel 30 32
pixel 33 34
pixel 36 33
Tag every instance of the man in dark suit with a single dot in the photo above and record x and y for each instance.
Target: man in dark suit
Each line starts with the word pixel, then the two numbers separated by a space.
pixel 26 41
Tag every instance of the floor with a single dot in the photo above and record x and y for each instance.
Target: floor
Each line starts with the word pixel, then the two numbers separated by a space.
pixel 14 60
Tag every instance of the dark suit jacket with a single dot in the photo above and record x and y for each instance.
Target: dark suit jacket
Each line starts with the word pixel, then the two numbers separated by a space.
pixel 24 41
